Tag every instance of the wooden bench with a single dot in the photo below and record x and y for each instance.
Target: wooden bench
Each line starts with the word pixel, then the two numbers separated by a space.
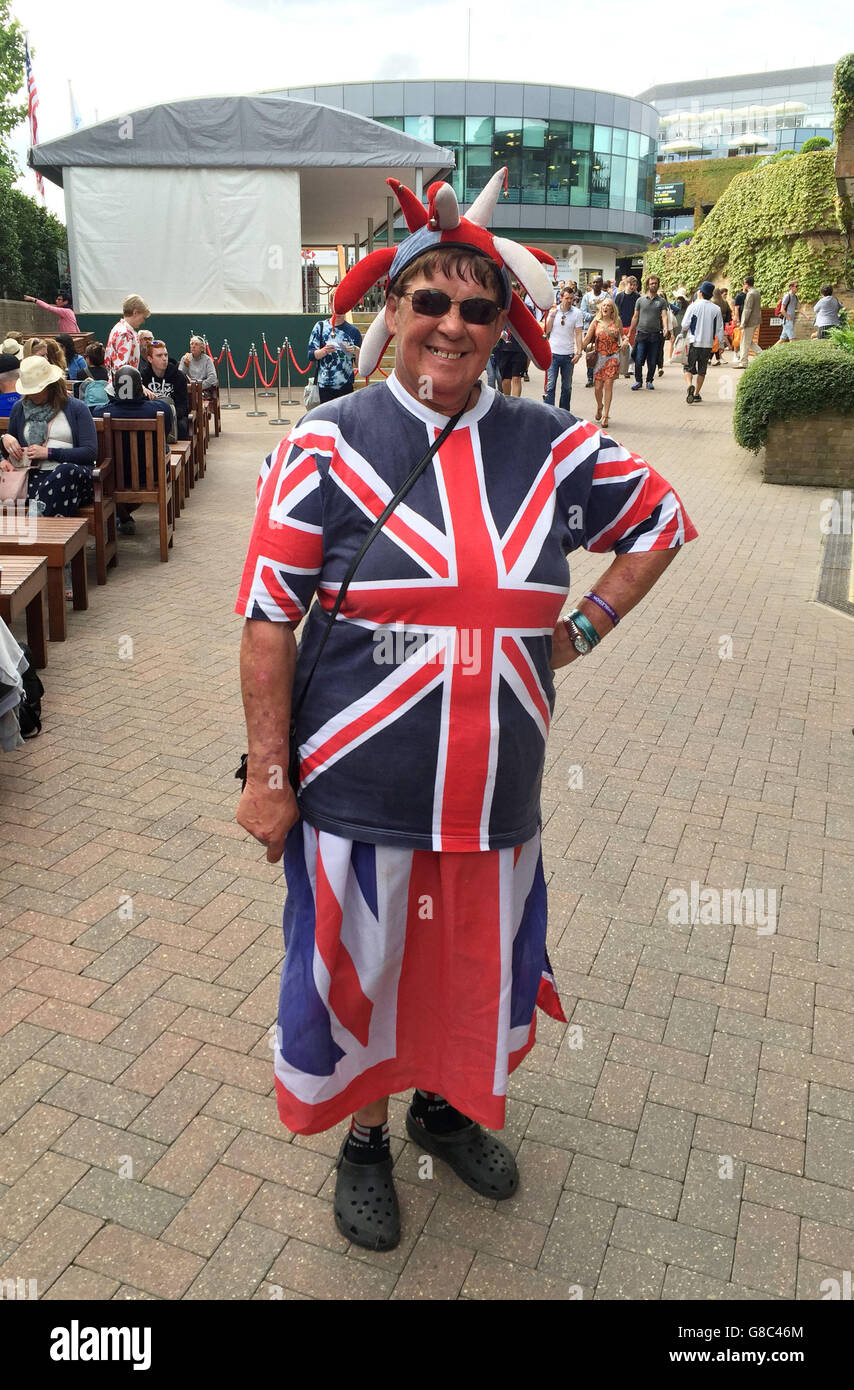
pixel 23 589
pixel 62 541
pixel 101 512
pixel 212 410
pixel 144 471
pixel 197 406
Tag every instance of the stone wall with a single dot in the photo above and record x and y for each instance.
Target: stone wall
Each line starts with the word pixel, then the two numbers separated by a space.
pixel 814 451
pixel 19 316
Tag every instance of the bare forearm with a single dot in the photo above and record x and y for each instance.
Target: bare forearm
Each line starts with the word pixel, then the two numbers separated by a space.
pixel 625 582
pixel 267 664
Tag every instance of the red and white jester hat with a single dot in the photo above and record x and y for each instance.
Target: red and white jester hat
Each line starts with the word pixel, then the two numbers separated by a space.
pixel 440 224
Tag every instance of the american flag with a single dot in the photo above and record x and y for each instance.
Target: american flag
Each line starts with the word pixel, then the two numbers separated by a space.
pixel 32 111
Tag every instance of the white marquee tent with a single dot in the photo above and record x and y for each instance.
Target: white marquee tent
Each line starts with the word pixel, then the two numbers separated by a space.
pixel 205 205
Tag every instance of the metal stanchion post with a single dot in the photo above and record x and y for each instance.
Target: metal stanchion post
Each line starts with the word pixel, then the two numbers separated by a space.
pixel 229 404
pixel 253 356
pixel 280 418
pixel 288 351
pixel 264 359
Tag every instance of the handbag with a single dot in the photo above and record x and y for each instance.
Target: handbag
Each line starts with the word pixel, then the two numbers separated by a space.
pixel 405 487
pixel 13 485
pixel 311 393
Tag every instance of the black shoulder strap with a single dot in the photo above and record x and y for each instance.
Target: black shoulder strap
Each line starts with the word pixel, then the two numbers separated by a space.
pixel 378 525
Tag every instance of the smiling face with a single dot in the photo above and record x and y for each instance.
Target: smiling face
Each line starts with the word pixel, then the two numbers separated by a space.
pixel 439 360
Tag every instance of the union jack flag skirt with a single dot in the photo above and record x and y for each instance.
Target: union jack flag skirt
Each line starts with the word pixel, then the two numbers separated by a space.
pixel 407 968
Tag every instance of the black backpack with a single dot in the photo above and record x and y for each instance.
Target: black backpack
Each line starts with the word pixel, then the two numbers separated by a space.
pixel 30 708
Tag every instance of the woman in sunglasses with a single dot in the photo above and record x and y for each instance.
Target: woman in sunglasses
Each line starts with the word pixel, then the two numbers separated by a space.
pixel 415 922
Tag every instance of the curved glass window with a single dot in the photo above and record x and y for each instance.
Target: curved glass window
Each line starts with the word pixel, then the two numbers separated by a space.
pixel 554 162
pixel 478 130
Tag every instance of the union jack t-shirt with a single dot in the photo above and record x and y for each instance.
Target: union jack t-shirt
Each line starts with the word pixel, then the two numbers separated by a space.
pixel 425 725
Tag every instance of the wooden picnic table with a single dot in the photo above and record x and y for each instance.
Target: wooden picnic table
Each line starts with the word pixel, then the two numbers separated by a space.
pixel 23 589
pixel 61 540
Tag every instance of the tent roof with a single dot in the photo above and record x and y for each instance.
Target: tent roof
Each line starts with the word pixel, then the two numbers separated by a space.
pixel 343 159
pixel 238 132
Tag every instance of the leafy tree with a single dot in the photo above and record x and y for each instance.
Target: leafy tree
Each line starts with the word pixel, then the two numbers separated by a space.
pixel 41 236
pixel 12 79
pixel 30 236
pixel 10 243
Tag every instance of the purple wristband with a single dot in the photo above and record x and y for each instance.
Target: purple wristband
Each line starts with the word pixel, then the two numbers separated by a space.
pixel 606 607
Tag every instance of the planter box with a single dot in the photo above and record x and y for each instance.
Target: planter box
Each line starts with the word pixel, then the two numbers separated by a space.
pixel 811 451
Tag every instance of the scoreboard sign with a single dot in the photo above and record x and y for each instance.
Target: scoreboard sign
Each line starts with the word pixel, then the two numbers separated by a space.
pixel 669 195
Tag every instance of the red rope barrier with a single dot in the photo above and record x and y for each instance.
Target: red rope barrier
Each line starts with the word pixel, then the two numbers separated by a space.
pixel 239 375
pixel 266 384
pixel 300 369
pixel 274 360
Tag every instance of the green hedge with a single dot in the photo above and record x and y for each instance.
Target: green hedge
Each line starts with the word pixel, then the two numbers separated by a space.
pixel 794 379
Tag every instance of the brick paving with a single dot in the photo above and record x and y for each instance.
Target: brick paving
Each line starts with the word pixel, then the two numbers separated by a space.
pixel 690 1134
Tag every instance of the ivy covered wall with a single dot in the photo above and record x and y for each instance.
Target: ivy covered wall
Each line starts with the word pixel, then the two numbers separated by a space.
pixel 705 180
pixel 778 222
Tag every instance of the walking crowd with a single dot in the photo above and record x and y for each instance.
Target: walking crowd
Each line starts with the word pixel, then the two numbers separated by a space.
pixel 621 331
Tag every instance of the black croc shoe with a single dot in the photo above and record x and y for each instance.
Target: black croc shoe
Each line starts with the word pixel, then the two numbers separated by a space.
pixel 366 1209
pixel 482 1161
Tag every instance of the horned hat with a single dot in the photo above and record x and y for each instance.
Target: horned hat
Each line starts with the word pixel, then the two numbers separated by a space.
pixel 441 224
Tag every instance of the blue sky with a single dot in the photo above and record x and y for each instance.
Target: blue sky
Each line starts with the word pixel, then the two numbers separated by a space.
pixel 125 56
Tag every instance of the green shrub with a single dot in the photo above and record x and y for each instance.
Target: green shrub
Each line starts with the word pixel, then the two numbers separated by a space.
pixel 791 380
pixel 815 142
pixel 843 93
pixel 843 337
pixel 680 237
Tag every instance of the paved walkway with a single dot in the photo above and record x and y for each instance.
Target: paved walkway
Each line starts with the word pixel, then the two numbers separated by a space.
pixel 691 1135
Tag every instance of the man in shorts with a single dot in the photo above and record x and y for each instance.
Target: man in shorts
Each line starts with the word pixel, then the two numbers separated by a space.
pixel 703 322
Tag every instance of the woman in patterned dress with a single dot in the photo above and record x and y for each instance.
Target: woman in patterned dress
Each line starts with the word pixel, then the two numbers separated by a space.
pixel 606 332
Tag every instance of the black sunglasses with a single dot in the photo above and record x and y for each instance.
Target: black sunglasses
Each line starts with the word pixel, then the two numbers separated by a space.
pixel 434 304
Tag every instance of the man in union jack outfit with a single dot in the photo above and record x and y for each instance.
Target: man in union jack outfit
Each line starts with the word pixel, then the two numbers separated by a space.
pixel 415 920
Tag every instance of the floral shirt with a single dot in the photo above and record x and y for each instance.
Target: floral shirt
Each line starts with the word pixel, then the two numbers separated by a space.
pixel 338 368
pixel 122 348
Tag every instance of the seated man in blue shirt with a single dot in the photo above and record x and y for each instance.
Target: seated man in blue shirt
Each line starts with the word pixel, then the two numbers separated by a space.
pixel 9 367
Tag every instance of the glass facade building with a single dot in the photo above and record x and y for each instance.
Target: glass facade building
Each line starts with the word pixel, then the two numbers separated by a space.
pixel 753 113
pixel 581 164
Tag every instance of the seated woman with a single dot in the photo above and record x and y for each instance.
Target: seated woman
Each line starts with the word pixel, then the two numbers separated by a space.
pixel 94 391
pixel 129 402
pixel 198 365
pixel 54 436
pixel 75 365
pixel 46 347
pixel 94 355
